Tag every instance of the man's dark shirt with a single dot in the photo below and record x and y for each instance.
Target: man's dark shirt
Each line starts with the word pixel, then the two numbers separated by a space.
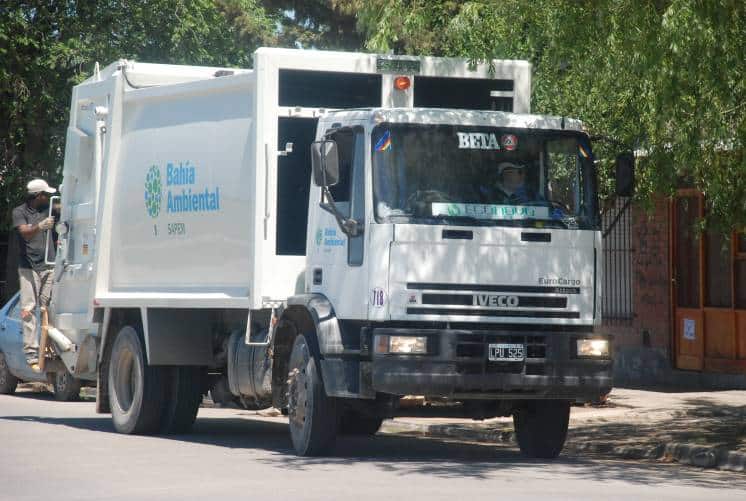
pixel 31 252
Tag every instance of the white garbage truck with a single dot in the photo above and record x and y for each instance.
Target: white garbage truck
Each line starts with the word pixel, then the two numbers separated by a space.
pixel 328 233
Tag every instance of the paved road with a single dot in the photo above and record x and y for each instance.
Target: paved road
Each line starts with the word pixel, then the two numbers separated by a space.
pixel 52 450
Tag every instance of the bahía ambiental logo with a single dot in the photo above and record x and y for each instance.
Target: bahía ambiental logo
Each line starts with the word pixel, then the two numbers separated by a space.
pixel 181 191
pixel 153 191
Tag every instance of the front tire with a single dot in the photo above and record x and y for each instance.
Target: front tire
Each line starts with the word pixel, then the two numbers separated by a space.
pixel 8 382
pixel 135 388
pixel 541 428
pixel 66 387
pixel 312 414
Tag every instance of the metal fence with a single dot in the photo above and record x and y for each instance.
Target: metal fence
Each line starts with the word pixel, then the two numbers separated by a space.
pixel 616 225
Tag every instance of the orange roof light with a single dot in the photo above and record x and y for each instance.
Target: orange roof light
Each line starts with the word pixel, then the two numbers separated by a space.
pixel 402 83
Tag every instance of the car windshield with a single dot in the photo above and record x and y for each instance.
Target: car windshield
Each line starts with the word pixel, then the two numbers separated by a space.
pixel 436 174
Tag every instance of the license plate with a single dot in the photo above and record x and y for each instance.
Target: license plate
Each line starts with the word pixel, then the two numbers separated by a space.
pixel 507 352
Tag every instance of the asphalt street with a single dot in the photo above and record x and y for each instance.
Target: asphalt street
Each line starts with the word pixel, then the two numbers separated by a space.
pixel 63 450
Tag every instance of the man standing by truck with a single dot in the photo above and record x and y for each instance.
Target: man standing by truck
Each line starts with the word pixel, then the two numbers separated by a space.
pixel 31 219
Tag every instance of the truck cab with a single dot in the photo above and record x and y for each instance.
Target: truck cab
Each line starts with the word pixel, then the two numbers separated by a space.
pixel 456 254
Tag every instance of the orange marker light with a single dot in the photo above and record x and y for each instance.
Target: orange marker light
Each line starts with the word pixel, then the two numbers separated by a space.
pixel 402 83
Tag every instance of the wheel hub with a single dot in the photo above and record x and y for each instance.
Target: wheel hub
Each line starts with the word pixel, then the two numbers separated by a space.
pixel 298 401
pixel 62 382
pixel 3 370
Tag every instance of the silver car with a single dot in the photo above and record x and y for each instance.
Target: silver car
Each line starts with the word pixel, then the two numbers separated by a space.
pixel 13 366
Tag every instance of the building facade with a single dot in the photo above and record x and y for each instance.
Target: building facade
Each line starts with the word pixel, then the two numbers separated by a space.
pixel 674 297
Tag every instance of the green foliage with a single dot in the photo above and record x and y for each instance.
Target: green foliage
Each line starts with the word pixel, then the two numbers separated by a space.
pixel 46 47
pixel 665 77
pixel 321 24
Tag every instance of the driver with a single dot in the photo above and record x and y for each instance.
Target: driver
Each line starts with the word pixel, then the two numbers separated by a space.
pixel 511 184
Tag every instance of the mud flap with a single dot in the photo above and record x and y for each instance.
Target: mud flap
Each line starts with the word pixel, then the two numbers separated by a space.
pixel 344 378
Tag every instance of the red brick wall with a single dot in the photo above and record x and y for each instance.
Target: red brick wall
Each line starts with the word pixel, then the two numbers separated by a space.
pixel 651 295
pixel 642 348
pixel 650 280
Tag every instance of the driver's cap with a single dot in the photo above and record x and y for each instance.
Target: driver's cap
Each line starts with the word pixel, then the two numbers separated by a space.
pixel 508 165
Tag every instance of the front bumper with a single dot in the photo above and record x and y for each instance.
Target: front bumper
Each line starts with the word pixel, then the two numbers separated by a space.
pixel 457 366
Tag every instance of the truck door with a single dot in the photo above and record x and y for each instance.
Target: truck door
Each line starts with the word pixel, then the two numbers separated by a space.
pixel 77 245
pixel 337 261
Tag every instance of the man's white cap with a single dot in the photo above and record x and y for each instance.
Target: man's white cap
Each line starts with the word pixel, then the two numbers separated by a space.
pixel 37 186
pixel 508 165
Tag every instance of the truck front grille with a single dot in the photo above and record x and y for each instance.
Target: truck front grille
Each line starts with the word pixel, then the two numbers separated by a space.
pixel 473 300
pixel 494 301
pixel 493 313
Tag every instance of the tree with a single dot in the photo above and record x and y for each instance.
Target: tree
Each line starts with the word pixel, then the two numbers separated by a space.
pixel 46 47
pixel 322 24
pixel 665 77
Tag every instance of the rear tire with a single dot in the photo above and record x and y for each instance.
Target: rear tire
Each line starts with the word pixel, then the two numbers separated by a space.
pixel 8 382
pixel 135 388
pixel 182 400
pixel 541 428
pixel 66 387
pixel 312 414
pixel 353 423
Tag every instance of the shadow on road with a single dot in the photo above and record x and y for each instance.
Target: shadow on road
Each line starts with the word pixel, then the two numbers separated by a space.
pixel 401 455
pixel 699 421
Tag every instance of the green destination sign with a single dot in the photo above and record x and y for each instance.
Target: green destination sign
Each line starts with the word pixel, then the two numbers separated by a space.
pixel 399 66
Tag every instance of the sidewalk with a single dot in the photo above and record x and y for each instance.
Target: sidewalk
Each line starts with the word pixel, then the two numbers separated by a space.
pixel 706 429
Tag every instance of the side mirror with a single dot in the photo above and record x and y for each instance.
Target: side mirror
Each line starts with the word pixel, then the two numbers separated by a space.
pixel 624 174
pixel 325 163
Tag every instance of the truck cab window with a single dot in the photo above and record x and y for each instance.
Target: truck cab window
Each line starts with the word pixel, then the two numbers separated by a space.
pixel 342 190
pixel 349 192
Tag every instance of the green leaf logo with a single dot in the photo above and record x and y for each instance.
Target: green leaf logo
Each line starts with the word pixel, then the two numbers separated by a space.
pixel 153 191
pixel 319 237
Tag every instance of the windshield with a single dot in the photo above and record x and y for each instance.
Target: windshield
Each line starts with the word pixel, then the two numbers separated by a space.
pixel 435 174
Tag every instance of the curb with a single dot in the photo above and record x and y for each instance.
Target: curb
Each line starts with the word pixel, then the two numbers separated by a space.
pixel 688 454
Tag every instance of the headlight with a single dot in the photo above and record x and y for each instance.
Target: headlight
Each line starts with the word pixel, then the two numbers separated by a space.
pixel 401 344
pixel 597 348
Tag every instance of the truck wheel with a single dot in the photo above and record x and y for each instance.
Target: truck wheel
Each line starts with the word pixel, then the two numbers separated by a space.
pixel 182 399
pixel 135 388
pixel 312 414
pixel 353 423
pixel 8 381
pixel 541 428
pixel 66 387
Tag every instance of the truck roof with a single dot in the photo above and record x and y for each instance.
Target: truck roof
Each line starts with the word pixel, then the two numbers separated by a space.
pixel 458 116
pixel 154 74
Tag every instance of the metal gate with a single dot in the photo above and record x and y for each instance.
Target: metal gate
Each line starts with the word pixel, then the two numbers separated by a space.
pixel 616 225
